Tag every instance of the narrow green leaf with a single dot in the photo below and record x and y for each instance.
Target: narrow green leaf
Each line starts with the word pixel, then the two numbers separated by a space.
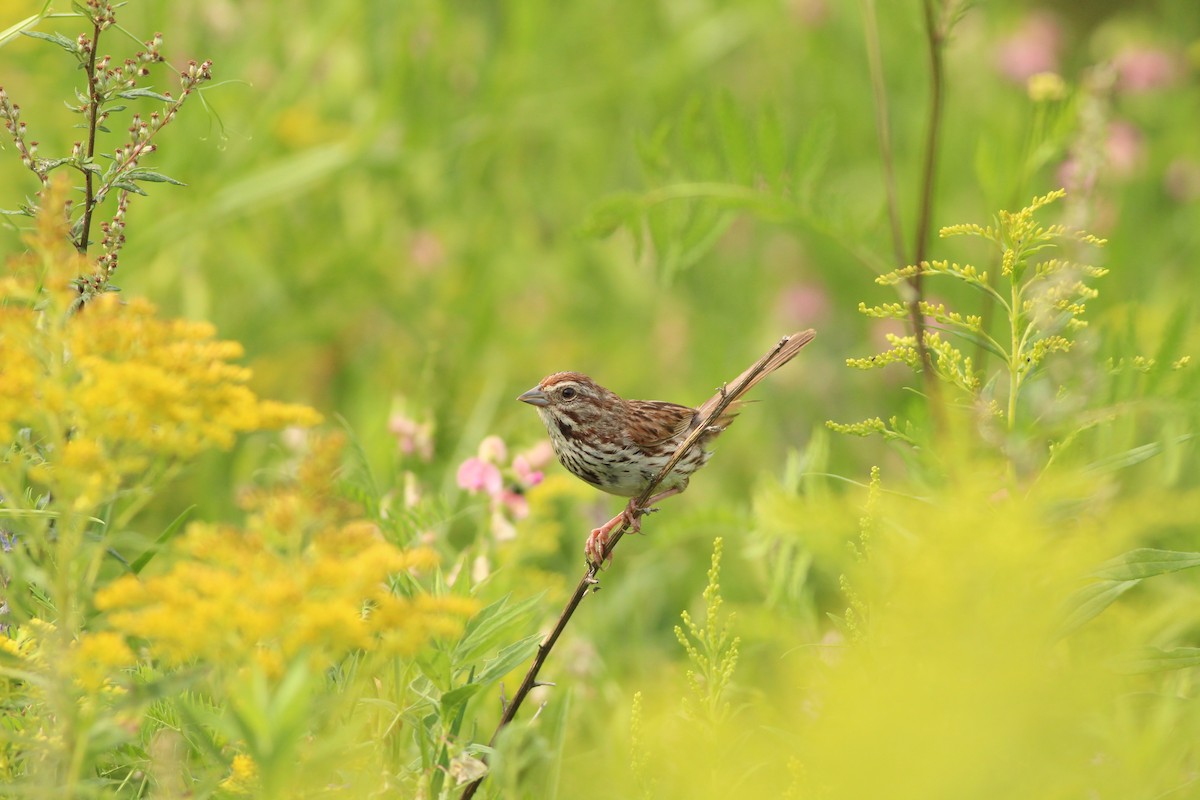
pixel 15 30
pixel 452 698
pixel 168 533
pixel 133 94
pixel 152 177
pixel 508 659
pixel 1154 659
pixel 1146 562
pixel 55 38
pixel 481 631
pixel 1089 601
pixel 1133 456
pixel 129 186
pixel 612 213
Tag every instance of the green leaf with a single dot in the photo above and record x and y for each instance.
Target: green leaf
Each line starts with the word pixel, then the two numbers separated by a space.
pixel 772 146
pixel 508 659
pixel 1154 659
pixel 611 214
pixel 13 31
pixel 129 186
pixel 151 177
pixel 735 143
pixel 133 94
pixel 483 632
pixel 1146 562
pixel 1133 456
pixel 56 38
pixel 1089 601
pixel 168 533
pixel 454 697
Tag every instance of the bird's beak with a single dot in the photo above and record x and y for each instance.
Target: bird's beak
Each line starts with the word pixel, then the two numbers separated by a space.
pixel 535 397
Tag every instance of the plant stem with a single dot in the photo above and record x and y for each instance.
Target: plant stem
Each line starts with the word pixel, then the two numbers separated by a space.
pixel 89 202
pixel 935 35
pixel 1014 357
pixel 589 580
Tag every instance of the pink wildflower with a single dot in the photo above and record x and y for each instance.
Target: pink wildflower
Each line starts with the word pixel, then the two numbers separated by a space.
pixel 492 449
pixel 412 437
pixel 1032 49
pixel 539 455
pixel 515 502
pixel 1145 69
pixel 527 476
pixel 476 475
pixel 804 303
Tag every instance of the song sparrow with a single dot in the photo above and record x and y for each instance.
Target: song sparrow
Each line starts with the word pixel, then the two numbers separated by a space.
pixel 620 445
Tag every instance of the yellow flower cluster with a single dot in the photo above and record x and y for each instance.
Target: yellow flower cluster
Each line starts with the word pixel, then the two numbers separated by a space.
pixel 106 389
pixel 97 657
pixel 231 598
pixel 92 660
pixel 243 776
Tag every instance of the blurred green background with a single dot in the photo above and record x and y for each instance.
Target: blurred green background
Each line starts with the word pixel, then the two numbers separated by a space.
pixel 400 199
pixel 431 205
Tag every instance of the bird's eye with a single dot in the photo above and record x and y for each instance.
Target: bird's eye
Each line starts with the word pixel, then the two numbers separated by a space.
pixel 568 393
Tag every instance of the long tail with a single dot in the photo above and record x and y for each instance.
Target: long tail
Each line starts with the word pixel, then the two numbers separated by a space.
pixel 782 353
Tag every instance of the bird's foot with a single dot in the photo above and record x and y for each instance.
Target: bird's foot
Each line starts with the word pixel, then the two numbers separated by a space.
pixel 597 540
pixel 631 515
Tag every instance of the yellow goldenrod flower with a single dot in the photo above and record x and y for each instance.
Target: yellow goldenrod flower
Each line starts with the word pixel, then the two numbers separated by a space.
pixel 243 776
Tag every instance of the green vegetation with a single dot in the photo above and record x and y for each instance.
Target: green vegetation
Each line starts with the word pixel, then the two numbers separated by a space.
pixel 394 218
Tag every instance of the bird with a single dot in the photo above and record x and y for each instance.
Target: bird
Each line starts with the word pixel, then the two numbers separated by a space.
pixel 619 446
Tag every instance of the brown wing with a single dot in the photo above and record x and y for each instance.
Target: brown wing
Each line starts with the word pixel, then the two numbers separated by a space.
pixel 653 421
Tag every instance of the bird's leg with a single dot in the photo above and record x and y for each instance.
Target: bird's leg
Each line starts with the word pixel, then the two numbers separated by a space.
pixel 635 512
pixel 632 513
pixel 598 539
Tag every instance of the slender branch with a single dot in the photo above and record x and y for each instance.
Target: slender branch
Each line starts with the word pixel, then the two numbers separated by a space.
pixel 89 203
pixel 935 35
pixel 589 580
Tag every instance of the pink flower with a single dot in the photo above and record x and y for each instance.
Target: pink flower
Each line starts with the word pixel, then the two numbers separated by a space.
pixel 492 449
pixel 1182 180
pixel 539 455
pixel 426 251
pixel 1072 175
pixel 515 502
pixel 1032 49
pixel 1144 69
pixel 1124 147
pixel 412 436
pixel 527 476
pixel 475 475
pixel 804 304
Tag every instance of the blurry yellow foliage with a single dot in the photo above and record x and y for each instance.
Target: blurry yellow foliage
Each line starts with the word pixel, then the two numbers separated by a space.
pixel 959 680
pixel 104 389
pixel 305 577
pixel 231 598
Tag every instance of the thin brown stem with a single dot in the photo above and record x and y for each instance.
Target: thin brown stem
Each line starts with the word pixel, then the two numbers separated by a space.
pixel 89 203
pixel 935 37
pixel 589 580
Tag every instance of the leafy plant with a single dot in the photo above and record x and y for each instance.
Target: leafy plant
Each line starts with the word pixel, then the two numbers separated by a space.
pixel 1042 297
pixel 108 87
